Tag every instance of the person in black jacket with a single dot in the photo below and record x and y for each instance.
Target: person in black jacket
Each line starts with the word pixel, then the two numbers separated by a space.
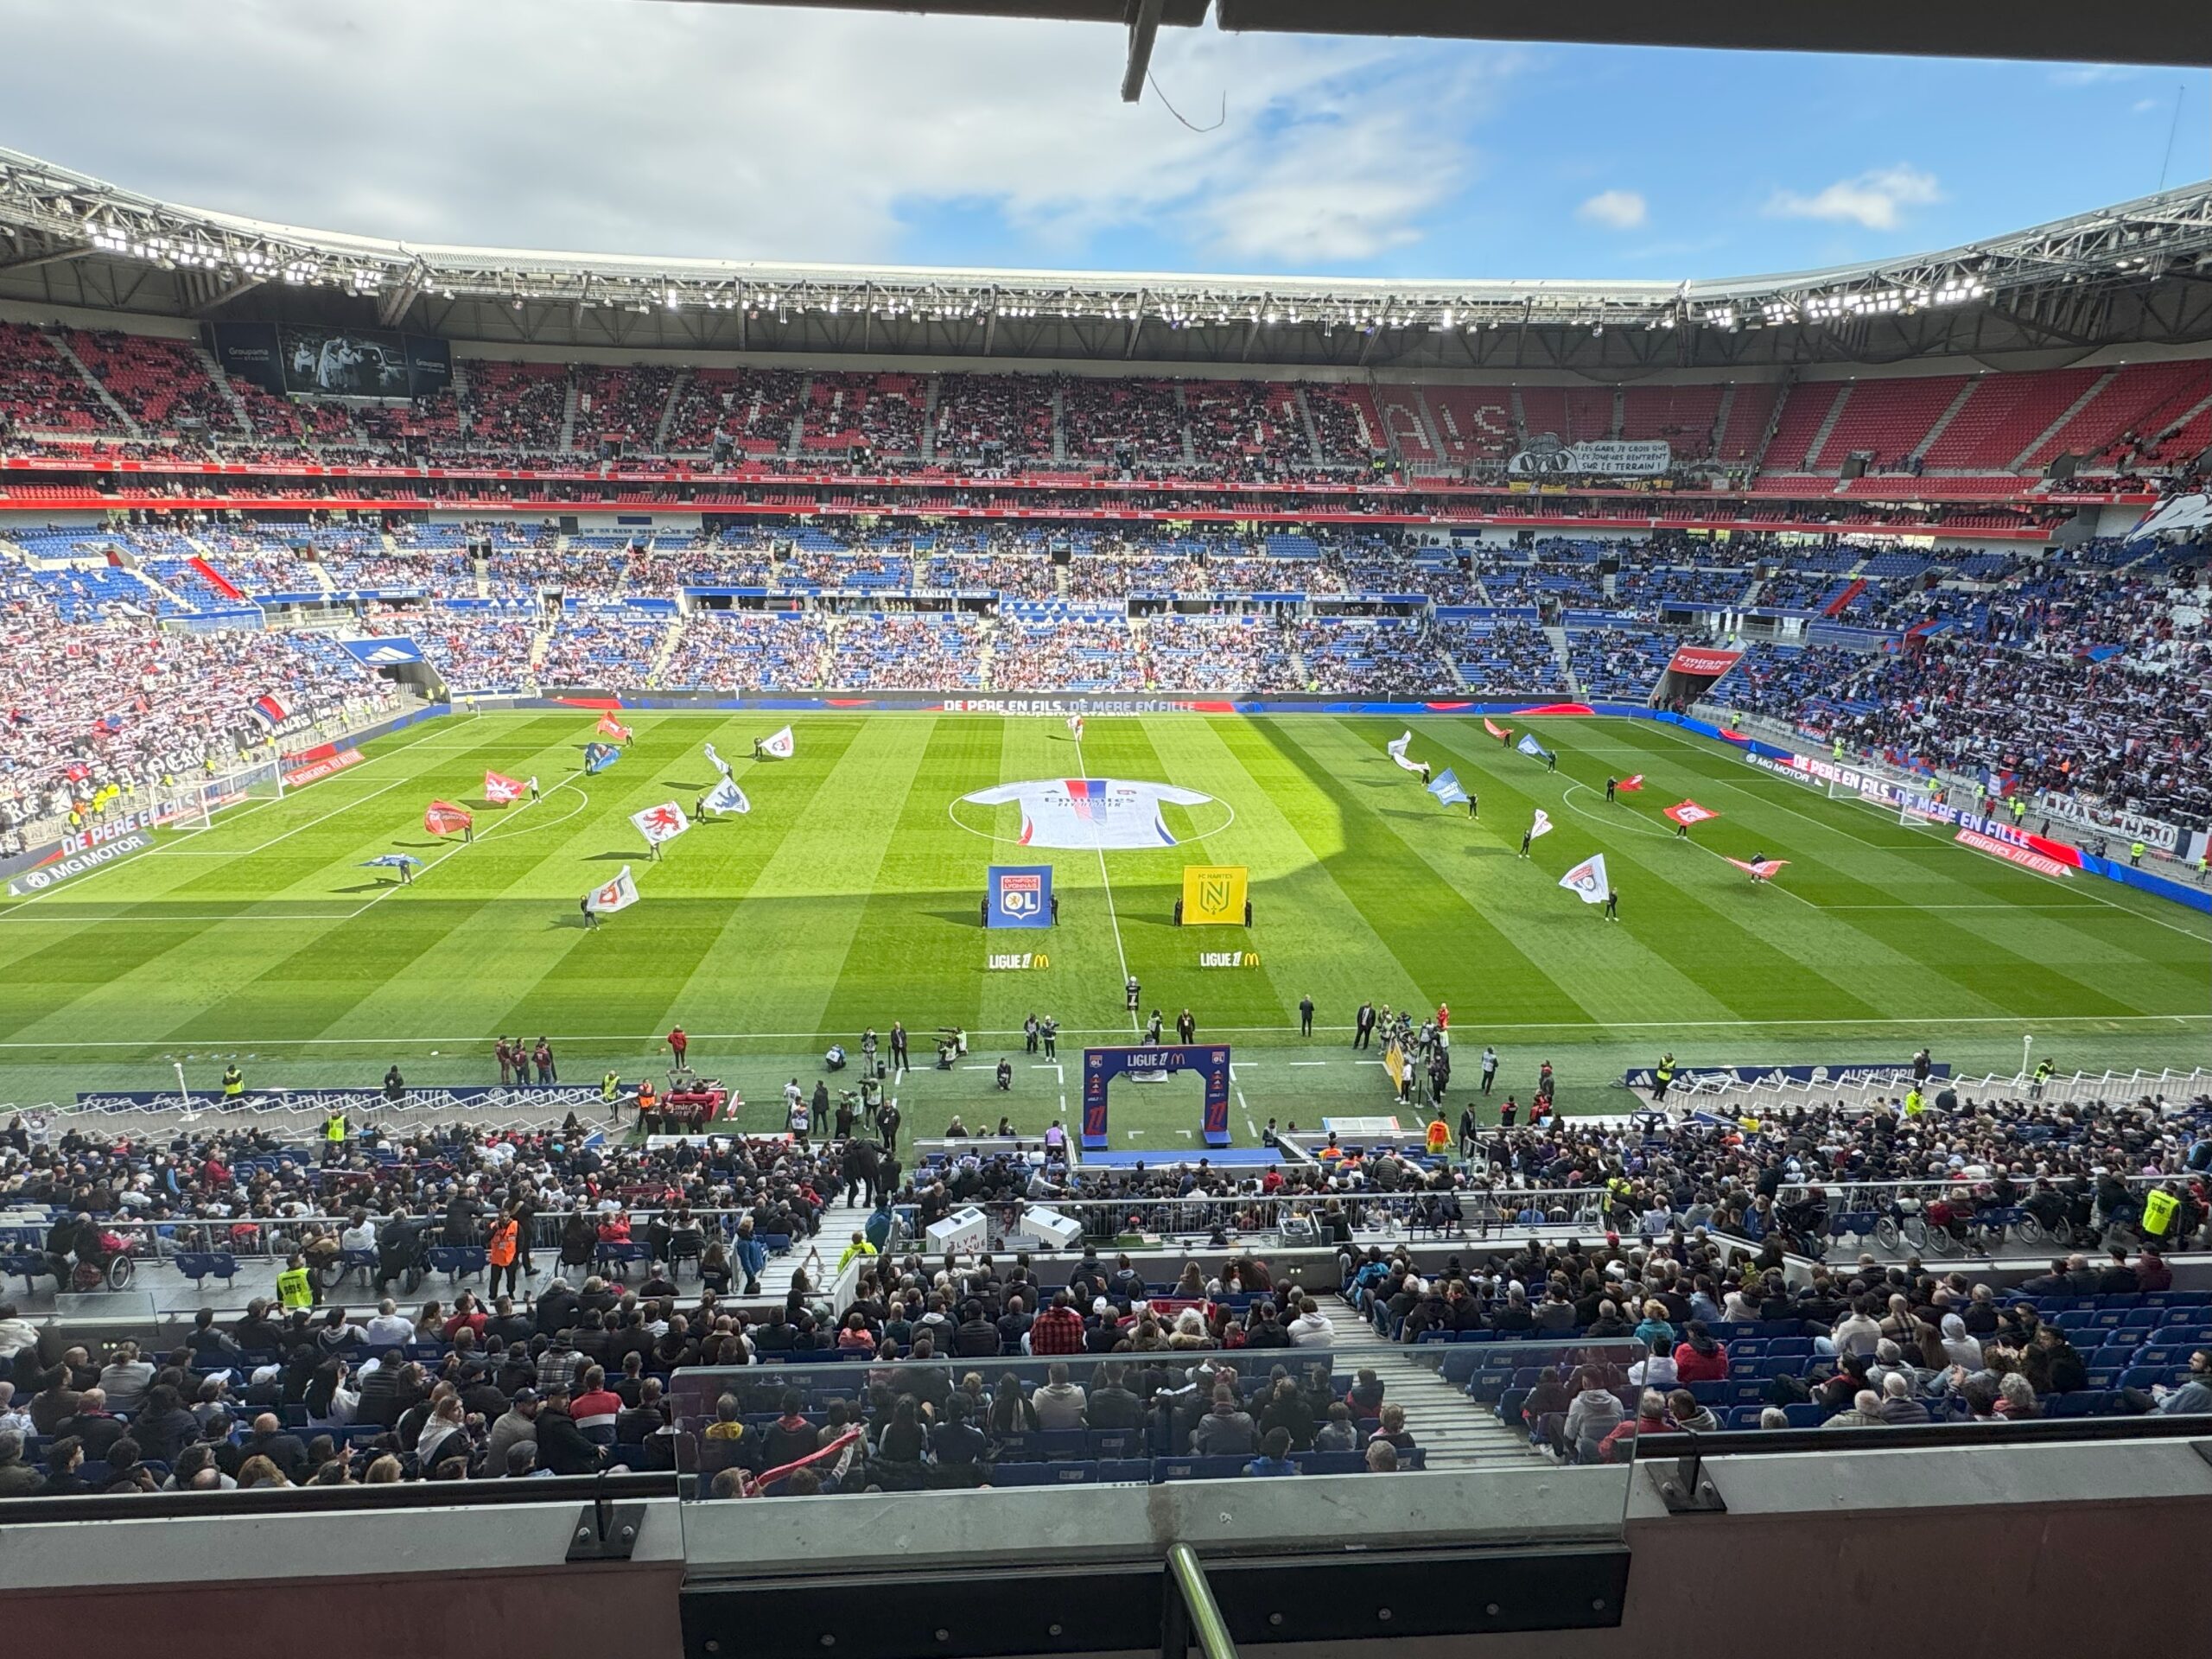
pixel 561 1447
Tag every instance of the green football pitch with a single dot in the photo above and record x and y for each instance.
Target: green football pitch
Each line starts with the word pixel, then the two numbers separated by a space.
pixel 848 898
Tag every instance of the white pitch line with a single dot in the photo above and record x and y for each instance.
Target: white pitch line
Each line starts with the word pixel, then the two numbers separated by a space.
pixel 1325 1062
pixel 1106 881
pixel 1583 1027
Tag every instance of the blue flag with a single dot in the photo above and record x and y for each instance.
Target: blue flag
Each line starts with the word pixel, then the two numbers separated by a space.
pixel 598 757
pixel 389 861
pixel 1529 746
pixel 1445 788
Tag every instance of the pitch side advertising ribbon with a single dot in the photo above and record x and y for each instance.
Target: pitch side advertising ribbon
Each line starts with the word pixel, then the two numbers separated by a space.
pixel 1586 880
pixel 1688 812
pixel 619 894
pixel 662 822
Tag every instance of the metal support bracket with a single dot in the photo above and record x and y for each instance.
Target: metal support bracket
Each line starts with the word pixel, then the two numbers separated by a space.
pixel 1686 1489
pixel 605 1531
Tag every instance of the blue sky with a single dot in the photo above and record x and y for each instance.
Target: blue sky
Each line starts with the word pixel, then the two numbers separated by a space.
pixel 782 134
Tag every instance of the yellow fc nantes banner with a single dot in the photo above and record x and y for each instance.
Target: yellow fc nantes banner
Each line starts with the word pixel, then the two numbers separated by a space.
pixel 1213 895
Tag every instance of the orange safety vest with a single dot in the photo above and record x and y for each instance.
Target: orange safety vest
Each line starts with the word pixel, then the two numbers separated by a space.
pixel 504 1235
pixel 646 1098
pixel 1439 1136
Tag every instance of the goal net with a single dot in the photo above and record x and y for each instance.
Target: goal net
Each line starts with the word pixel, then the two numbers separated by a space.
pixel 191 804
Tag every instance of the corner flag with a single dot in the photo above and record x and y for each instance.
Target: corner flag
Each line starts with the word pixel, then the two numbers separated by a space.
pixel 619 894
pixel 779 747
pixel 1586 880
pixel 1445 787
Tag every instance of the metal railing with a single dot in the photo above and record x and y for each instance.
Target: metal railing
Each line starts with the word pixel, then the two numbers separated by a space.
pixel 1865 1094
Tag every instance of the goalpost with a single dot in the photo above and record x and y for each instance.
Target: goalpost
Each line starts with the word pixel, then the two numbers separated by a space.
pixel 1893 797
pixel 191 804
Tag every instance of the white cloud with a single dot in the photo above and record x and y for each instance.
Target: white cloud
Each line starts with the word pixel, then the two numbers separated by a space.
pixel 2145 106
pixel 1619 210
pixel 2094 74
pixel 749 132
pixel 1876 200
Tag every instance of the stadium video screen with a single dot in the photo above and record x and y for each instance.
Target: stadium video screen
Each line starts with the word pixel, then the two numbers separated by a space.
pixel 310 361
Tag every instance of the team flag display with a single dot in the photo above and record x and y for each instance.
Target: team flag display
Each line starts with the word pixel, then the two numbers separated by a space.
pixel 779 747
pixel 271 710
pixel 498 789
pixel 1533 750
pixel 1542 826
pixel 1214 894
pixel 1586 880
pixel 619 894
pixel 610 727
pixel 1397 749
pixel 1635 782
pixel 444 818
pixel 1761 869
pixel 1686 813
pixel 598 757
pixel 662 822
pixel 391 861
pixel 1075 727
pixel 1445 787
pixel 727 797
pixel 715 761
pixel 1495 730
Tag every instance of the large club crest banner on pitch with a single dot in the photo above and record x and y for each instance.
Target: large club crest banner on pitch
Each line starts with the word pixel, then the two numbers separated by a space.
pixel 1020 895
pixel 662 822
pixel 1214 894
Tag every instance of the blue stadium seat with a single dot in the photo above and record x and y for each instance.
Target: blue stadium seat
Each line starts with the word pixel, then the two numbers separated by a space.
pixel 458 1261
pixel 1123 1472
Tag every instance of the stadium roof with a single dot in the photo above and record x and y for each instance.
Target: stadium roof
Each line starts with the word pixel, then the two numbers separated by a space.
pixel 2137 272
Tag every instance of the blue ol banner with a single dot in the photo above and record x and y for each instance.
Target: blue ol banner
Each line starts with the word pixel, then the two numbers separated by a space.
pixel 1020 895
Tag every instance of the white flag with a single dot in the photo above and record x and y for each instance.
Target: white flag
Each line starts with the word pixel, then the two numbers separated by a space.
pixel 1542 826
pixel 619 894
pixel 1075 727
pixel 778 748
pixel 727 798
pixel 1396 748
pixel 1588 880
pixel 715 761
pixel 662 822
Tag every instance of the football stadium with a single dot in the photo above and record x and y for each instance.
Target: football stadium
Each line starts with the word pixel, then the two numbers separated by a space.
pixel 780 940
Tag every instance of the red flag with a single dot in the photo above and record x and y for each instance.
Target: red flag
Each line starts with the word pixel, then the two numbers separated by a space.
pixel 443 818
pixel 498 789
pixel 1761 871
pixel 610 727
pixel 1688 812
pixel 1494 729
pixel 1636 782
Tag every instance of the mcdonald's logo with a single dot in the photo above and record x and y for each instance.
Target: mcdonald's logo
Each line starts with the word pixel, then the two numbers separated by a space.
pixel 1251 959
pixel 1040 960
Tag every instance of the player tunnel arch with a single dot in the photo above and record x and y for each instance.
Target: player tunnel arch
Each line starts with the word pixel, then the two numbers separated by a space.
pixel 1102 1065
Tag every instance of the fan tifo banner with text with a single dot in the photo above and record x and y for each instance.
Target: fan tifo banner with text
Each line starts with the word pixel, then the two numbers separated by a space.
pixel 1702 660
pixel 1214 894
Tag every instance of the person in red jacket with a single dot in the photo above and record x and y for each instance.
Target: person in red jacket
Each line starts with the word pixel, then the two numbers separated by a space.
pixel 1699 1358
pixel 677 1042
